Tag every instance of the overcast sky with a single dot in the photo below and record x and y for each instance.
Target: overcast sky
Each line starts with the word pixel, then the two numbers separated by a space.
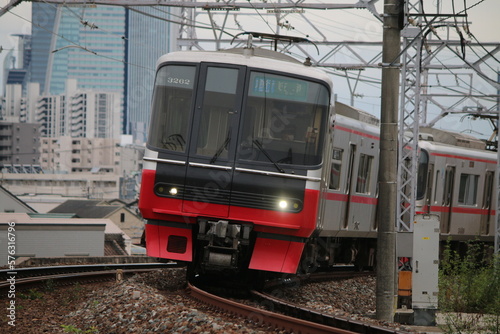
pixel 339 24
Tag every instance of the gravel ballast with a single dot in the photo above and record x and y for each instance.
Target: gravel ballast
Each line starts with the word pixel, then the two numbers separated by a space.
pixel 155 302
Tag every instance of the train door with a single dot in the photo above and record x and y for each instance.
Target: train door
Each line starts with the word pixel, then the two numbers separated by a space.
pixel 447 199
pixel 424 182
pixel 487 199
pixel 350 185
pixel 213 137
pixel 428 195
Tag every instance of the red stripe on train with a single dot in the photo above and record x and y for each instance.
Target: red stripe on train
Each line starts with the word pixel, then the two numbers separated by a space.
pixel 474 211
pixel 353 198
pixel 338 127
pixel 463 158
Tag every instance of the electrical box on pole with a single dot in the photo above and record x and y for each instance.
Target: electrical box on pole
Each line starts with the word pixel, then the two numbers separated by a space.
pixel 425 265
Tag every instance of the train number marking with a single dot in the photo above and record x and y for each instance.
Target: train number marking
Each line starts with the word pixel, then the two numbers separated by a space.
pixel 179 81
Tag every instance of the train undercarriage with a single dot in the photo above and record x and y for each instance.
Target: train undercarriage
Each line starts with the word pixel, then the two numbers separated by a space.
pixel 225 248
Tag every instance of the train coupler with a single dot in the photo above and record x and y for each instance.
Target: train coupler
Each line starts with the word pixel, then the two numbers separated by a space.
pixel 223 242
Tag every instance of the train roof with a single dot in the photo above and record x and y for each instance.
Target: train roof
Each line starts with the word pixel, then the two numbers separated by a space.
pixel 254 57
pixel 451 138
pixel 435 137
pixel 357 114
pixel 358 120
pixel 459 152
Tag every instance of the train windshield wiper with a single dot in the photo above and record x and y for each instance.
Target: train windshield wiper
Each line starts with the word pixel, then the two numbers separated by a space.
pixel 221 148
pixel 262 149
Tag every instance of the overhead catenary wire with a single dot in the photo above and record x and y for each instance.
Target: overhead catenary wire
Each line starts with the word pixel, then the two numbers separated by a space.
pixel 484 48
pixel 432 28
pixel 462 39
pixel 80 46
pixel 176 22
pixel 265 21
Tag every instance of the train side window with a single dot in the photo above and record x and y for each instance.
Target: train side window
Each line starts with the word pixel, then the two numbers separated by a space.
pixel 430 183
pixel 336 169
pixel 467 194
pixel 488 186
pixel 364 170
pixel 423 166
pixel 436 187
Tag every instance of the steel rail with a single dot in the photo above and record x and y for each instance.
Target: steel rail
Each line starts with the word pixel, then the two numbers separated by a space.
pixel 62 279
pixel 261 316
pixel 24 277
pixel 315 316
pixel 352 326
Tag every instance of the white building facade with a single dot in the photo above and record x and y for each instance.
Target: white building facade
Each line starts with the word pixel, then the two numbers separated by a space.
pixel 66 154
pixel 12 105
pixel 79 113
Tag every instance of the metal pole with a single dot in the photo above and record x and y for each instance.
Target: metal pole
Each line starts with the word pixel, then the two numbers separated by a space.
pixel 386 249
pixel 497 179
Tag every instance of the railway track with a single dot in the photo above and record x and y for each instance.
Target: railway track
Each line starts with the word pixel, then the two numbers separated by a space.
pixel 291 317
pixel 63 275
pixel 318 318
pixel 260 316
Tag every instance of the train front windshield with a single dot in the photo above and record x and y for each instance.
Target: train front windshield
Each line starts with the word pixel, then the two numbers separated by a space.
pixel 282 119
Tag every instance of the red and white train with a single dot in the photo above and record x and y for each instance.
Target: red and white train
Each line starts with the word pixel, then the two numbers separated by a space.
pixel 251 165
pixel 456 181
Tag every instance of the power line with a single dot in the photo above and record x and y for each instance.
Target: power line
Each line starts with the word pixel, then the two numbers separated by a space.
pixel 265 21
pixel 77 45
pixel 176 22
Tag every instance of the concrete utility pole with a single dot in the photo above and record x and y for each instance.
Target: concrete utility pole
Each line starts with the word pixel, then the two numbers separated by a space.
pixel 386 252
pixel 497 177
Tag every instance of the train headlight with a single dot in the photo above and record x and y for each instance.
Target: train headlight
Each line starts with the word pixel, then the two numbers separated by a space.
pixel 283 204
pixel 289 205
pixel 166 190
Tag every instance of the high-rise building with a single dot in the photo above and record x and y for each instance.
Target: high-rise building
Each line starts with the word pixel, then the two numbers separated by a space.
pixel 79 113
pixel 23 50
pixel 13 101
pixel 16 64
pixel 42 28
pixel 86 43
pixel 19 143
pixel 108 48
pixel 18 106
pixel 83 43
pixel 149 36
pixel 50 111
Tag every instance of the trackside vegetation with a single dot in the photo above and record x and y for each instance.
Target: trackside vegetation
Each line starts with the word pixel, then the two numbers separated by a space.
pixel 469 290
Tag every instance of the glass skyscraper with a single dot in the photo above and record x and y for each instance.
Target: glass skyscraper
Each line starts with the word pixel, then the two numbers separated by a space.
pixel 86 43
pixel 148 38
pixel 83 43
pixel 43 23
pixel 108 48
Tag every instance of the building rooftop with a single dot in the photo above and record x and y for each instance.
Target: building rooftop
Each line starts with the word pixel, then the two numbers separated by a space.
pixel 86 208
